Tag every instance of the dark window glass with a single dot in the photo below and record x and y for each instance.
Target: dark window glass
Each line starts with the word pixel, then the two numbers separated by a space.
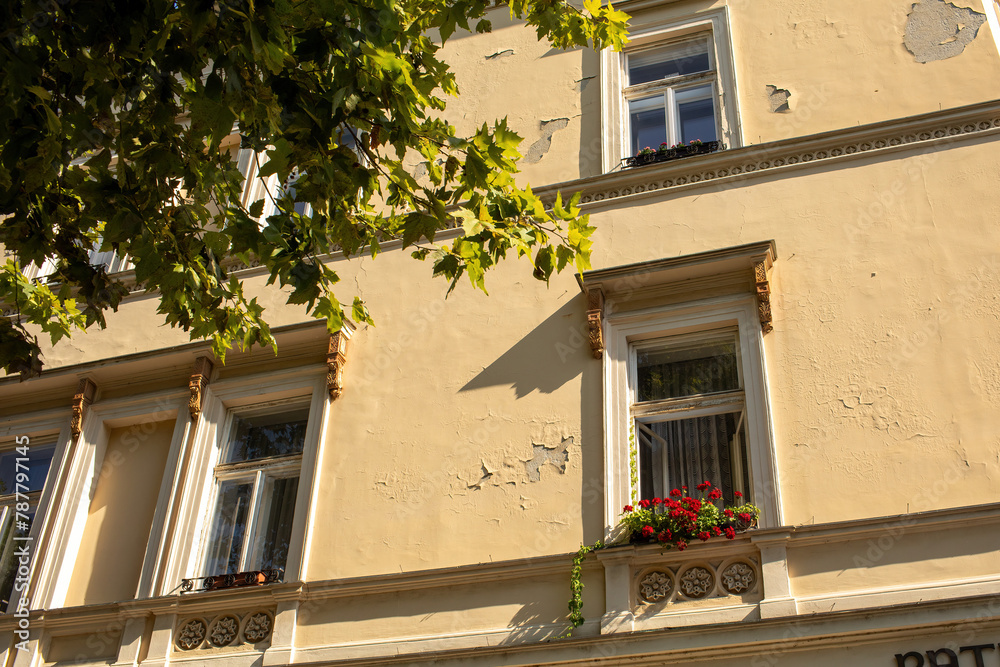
pixel 687 368
pixel 265 436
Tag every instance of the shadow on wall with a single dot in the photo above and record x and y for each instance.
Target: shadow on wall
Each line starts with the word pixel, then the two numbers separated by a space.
pixel 551 355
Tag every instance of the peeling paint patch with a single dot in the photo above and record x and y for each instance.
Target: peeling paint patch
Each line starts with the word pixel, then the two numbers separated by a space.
pixel 778 97
pixel 582 83
pixel 936 30
pixel 501 54
pixel 556 455
pixel 487 474
pixel 538 149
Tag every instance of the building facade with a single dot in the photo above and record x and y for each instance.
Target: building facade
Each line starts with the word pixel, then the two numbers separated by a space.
pixel 801 306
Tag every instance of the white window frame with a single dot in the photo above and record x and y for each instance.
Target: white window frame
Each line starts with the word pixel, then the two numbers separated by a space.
pixel 41 429
pixel 712 25
pixel 196 504
pixel 625 330
pixel 258 473
pixel 691 406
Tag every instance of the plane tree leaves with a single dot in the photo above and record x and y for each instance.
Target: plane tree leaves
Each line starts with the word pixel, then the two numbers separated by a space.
pixel 120 122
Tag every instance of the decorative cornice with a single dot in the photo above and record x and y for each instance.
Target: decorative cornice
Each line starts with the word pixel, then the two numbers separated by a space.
pixel 595 319
pixel 85 393
pixel 336 357
pixel 199 380
pixel 763 296
pixel 924 132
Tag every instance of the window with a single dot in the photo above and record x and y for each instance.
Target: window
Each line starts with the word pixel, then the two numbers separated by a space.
pixel 689 414
pixel 673 84
pixel 257 480
pixel 671 95
pixel 111 261
pixel 23 472
pixel 270 189
pixel 684 378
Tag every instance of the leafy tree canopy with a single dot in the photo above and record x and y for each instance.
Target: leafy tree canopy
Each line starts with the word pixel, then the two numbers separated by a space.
pixel 117 117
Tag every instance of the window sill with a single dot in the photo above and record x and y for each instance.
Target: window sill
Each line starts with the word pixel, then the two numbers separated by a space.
pixel 671 154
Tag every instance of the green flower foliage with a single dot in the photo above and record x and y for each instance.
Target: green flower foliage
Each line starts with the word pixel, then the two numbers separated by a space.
pixel 116 119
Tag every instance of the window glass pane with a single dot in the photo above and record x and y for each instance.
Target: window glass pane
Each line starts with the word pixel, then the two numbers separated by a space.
pixel 39 459
pixel 648 118
pixel 668 61
pixel 226 545
pixel 686 452
pixel 680 369
pixel 269 435
pixel 277 526
pixel 696 117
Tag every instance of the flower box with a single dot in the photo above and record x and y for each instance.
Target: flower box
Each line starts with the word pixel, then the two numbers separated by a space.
pixel 671 153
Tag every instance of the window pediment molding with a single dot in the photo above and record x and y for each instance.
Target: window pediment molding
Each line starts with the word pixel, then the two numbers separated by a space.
pixel 737 270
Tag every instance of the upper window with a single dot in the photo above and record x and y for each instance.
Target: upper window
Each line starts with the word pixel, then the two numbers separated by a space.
pixel 257 482
pixel 671 95
pixel 689 414
pixel 673 85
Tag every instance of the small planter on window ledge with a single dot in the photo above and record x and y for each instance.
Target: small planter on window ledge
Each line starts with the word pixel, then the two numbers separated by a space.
pixel 667 153
pixel 240 579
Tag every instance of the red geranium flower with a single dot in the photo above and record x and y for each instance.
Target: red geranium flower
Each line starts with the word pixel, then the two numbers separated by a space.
pixel 657 501
pixel 716 531
pixel 676 493
pixel 704 535
pixel 728 513
pixel 737 494
pixel 704 485
pixel 628 508
pixel 664 536
pixel 746 517
pixel 730 532
pixel 681 545
pixel 644 504
pixel 647 531
pixel 714 494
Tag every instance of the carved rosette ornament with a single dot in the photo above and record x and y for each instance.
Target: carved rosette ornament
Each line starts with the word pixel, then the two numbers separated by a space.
pixel 655 586
pixel 197 383
pixel 192 634
pixel 229 629
pixel 738 578
pixel 763 296
pixel 224 631
pixel 697 582
pixel 595 316
pixel 85 393
pixel 258 628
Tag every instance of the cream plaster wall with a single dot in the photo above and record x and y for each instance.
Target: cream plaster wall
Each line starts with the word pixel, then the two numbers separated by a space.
pixel 109 560
pixel 897 557
pixel 843 61
pixel 457 610
pixel 885 382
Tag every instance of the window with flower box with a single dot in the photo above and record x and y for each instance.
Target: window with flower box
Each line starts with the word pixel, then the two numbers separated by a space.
pixel 671 93
pixel 689 413
pixel 685 379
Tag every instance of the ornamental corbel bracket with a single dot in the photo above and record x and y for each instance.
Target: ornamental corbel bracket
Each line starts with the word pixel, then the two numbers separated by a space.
pixel 336 357
pixel 86 391
pixel 197 383
pixel 595 319
pixel 763 291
